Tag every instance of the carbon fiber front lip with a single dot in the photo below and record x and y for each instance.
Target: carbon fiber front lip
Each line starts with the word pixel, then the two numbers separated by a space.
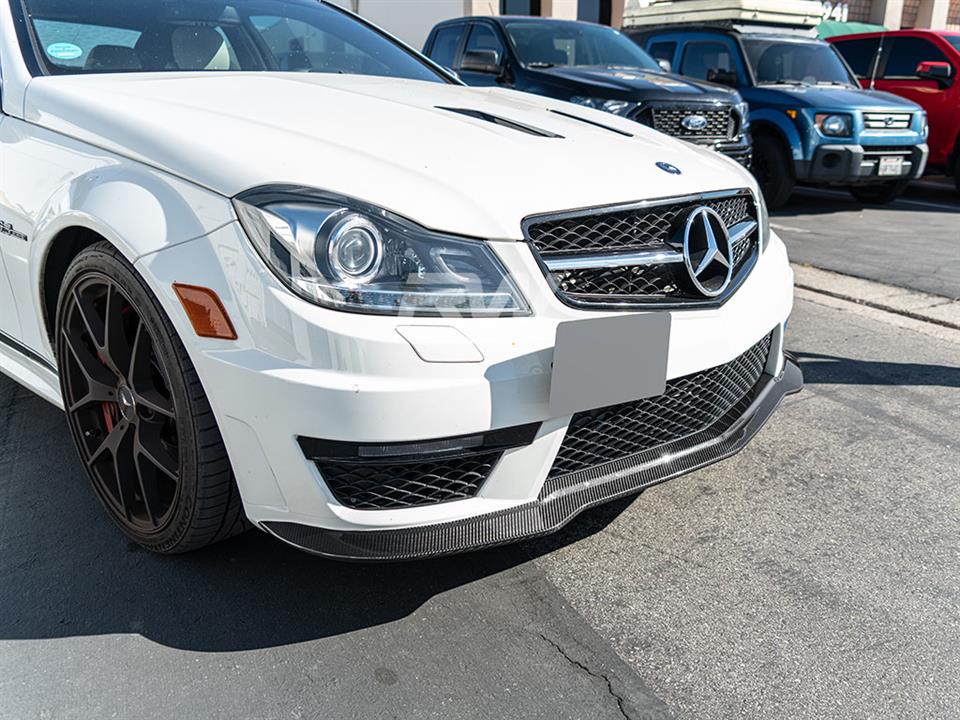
pixel 562 498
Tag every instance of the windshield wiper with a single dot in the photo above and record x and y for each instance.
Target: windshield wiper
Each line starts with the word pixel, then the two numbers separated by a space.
pixel 799 83
pixel 541 65
pixel 834 82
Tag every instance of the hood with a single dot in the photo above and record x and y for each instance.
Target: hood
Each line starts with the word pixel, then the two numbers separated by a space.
pixel 388 142
pixel 634 80
pixel 832 97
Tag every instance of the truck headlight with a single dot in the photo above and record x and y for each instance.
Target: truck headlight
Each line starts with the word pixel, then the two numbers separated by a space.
pixel 834 125
pixel 924 125
pixel 617 107
pixel 743 108
pixel 344 254
pixel 763 219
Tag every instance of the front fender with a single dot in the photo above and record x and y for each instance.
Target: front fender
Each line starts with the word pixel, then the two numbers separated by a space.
pixel 53 183
pixel 782 124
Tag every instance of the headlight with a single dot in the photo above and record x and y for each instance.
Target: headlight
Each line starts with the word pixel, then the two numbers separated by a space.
pixel 347 255
pixel 834 125
pixel 617 107
pixel 924 125
pixel 763 218
pixel 744 109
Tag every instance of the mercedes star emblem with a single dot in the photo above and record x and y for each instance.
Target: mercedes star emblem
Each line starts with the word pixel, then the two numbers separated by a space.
pixel 707 252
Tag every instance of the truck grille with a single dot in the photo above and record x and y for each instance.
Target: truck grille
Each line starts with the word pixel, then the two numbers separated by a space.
pixel 690 405
pixel 721 123
pixel 583 252
pixel 887 121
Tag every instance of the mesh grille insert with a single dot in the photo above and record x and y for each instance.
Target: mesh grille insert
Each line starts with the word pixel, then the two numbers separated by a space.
pixel 378 486
pixel 690 405
pixel 626 230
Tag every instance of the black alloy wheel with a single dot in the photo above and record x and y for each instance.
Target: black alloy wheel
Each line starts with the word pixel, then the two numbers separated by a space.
pixel 137 413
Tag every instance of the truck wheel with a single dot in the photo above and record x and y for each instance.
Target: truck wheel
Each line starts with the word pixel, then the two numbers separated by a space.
pixel 771 166
pixel 879 194
pixel 138 414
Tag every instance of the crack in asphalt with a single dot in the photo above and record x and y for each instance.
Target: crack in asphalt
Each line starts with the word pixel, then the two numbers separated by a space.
pixel 600 676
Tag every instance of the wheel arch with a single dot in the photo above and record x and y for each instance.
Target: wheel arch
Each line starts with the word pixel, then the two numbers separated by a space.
pixel 766 122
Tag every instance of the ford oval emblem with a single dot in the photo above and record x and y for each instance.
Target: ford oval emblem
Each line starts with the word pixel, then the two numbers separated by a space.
pixel 694 123
pixel 668 168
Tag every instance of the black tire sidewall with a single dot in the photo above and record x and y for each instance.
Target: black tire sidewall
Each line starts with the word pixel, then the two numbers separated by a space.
pixel 104 260
pixel 778 186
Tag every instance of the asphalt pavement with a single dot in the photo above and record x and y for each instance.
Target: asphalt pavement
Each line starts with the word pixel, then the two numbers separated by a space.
pixel 911 243
pixel 815 575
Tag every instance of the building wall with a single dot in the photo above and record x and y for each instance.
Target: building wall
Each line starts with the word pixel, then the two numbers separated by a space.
pixel 953 17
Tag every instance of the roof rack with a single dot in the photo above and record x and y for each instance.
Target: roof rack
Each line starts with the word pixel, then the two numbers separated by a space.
pixel 792 16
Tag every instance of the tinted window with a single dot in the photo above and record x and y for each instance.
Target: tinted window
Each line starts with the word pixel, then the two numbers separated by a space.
pixel 908 52
pixel 796 62
pixel 663 51
pixel 549 43
pixel 519 7
pixel 87 36
pixel 703 59
pixel 445 44
pixel 482 37
pixel 953 40
pixel 860 55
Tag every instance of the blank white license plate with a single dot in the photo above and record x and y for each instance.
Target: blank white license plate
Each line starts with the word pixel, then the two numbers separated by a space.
pixel 891 165
pixel 606 361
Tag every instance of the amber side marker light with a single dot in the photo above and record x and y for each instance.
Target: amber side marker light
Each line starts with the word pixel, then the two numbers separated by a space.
pixel 205 311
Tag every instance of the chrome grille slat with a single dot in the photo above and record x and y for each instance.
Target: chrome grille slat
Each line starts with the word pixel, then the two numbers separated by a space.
pixel 887 121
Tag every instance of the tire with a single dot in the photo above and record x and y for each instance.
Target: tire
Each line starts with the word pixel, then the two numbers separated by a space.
pixel 772 168
pixel 879 194
pixel 138 414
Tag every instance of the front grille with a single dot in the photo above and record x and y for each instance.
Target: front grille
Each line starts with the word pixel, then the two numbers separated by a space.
pixel 887 121
pixel 379 486
pixel 690 405
pixel 631 229
pixel 607 234
pixel 721 123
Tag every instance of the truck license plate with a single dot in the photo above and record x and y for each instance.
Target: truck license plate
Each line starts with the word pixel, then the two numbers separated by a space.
pixel 891 165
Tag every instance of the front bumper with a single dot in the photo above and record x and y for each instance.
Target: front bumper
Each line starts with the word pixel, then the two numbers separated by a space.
pixel 859 164
pixel 740 149
pixel 561 500
pixel 300 371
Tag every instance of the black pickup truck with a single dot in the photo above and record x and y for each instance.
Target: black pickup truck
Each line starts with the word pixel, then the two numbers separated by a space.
pixel 595 66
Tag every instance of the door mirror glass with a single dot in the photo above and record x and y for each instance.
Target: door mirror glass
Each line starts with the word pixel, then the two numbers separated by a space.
pixel 480 61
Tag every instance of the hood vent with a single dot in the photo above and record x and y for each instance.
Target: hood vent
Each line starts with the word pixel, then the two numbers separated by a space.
pixel 592 122
pixel 502 122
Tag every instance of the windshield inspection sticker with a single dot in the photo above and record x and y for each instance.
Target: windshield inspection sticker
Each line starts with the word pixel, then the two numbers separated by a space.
pixel 64 51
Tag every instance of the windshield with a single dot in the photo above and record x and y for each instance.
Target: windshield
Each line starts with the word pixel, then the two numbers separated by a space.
pixel 547 44
pixel 122 36
pixel 953 40
pixel 806 63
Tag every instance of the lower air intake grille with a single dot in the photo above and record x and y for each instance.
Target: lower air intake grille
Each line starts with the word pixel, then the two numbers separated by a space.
pixel 690 405
pixel 379 486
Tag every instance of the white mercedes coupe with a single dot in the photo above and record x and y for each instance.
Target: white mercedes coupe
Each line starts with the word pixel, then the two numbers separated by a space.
pixel 281 270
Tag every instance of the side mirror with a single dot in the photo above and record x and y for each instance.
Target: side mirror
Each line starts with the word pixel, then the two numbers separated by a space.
pixel 722 77
pixel 665 65
pixel 940 72
pixel 481 61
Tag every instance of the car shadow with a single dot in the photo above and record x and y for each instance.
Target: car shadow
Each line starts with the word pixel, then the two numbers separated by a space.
pixel 67 571
pixel 814 201
pixel 831 369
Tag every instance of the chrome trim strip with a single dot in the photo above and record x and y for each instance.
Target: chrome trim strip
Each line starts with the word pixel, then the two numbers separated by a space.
pixel 742 231
pixel 590 262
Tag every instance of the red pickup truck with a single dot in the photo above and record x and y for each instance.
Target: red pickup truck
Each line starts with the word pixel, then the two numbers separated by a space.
pixel 920 65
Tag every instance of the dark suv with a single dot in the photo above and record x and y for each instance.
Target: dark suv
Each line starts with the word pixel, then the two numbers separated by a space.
pixel 595 66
